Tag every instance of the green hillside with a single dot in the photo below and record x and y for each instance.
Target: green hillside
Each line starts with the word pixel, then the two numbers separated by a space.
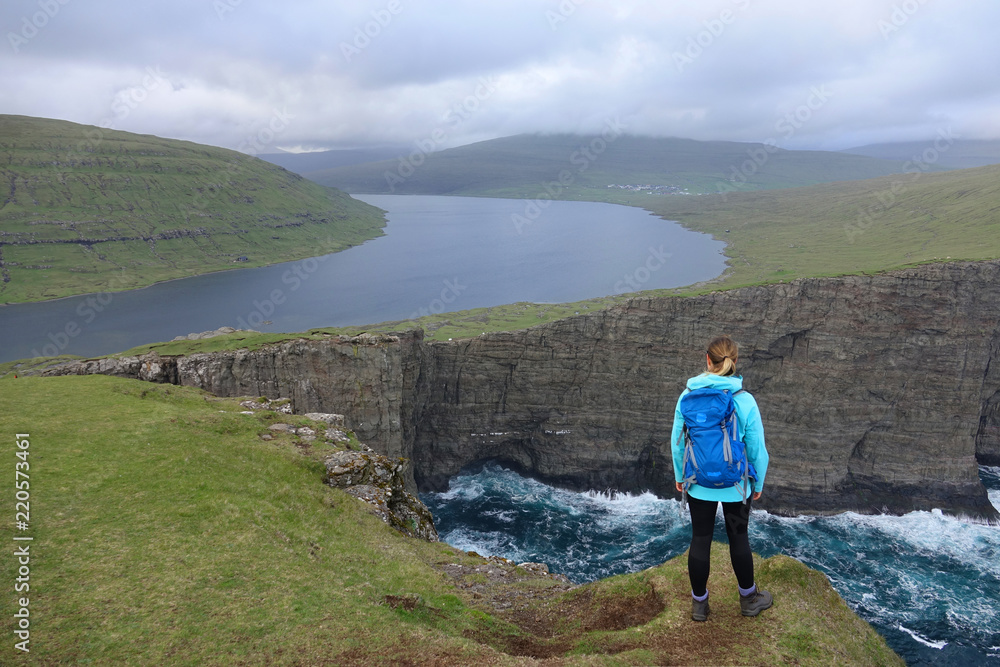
pixel 166 531
pixel 957 153
pixel 775 235
pixel 574 166
pixel 780 235
pixel 851 227
pixel 88 209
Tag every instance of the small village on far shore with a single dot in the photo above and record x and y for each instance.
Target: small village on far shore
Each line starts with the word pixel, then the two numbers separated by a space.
pixel 653 189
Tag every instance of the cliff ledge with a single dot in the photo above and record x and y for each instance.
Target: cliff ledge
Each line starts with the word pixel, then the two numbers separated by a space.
pixel 878 392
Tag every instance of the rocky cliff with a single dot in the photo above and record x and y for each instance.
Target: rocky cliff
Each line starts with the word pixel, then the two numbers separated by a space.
pixel 878 392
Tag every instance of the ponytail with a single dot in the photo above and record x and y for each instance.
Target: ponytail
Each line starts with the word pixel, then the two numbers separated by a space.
pixel 722 353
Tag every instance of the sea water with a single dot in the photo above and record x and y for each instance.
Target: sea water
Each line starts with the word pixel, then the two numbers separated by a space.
pixel 929 583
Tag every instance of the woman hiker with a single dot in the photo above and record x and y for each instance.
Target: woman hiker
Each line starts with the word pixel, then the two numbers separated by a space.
pixel 721 356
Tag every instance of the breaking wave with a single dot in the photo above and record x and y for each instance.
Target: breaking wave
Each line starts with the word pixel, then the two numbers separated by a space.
pixel 928 582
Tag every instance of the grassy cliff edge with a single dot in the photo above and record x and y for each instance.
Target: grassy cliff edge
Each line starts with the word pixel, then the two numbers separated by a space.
pixel 167 531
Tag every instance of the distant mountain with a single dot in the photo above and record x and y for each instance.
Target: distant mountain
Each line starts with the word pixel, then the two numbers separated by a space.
pixel 90 210
pixel 565 166
pixel 301 163
pixel 940 151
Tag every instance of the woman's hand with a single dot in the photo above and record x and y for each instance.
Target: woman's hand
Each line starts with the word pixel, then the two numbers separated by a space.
pixel 756 496
pixel 679 486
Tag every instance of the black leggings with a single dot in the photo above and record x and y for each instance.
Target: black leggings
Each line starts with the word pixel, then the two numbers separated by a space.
pixel 737 516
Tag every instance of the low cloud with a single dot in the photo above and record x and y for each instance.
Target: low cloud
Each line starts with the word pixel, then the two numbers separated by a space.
pixel 394 71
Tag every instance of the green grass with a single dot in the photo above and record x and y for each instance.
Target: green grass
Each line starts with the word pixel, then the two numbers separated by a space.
pixel 961 153
pixel 166 532
pixel 851 227
pixel 774 236
pixel 89 210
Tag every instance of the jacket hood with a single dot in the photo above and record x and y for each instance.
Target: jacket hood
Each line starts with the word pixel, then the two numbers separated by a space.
pixel 731 382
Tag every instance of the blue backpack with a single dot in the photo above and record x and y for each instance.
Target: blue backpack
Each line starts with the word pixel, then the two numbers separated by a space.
pixel 714 455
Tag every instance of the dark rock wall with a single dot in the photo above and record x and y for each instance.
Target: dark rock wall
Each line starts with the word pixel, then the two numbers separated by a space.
pixel 877 392
pixel 872 390
pixel 988 437
pixel 363 376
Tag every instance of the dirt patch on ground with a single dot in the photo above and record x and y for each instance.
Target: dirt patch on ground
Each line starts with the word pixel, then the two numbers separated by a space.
pixel 544 615
pixel 407 602
pixel 535 614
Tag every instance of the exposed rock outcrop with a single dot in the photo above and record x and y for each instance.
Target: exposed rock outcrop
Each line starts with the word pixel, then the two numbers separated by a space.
pixel 878 392
pixel 378 481
pixel 366 475
pixel 361 376
pixel 221 331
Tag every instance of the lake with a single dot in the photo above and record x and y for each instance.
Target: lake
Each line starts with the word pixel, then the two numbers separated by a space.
pixel 439 254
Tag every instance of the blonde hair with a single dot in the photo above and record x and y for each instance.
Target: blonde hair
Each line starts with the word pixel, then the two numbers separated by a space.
pixel 722 353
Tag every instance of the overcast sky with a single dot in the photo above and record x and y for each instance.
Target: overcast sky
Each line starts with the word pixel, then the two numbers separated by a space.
pixel 257 75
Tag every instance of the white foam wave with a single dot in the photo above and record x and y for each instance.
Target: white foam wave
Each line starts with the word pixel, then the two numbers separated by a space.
pixel 933 533
pixel 924 569
pixel 625 503
pixel 798 519
pixel 504 516
pixel 462 489
pixel 924 640
pixel 492 543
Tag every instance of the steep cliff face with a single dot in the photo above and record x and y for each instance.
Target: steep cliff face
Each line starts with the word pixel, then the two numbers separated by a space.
pixel 988 437
pixel 877 392
pixel 874 390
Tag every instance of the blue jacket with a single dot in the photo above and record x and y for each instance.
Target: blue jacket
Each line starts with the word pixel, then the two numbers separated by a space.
pixel 750 427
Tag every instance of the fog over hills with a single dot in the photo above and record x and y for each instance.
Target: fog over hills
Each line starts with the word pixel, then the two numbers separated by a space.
pixel 957 153
pixel 303 163
pixel 525 164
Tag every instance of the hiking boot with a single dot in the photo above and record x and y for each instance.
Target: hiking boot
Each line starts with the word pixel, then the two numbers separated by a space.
pixel 699 610
pixel 756 602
